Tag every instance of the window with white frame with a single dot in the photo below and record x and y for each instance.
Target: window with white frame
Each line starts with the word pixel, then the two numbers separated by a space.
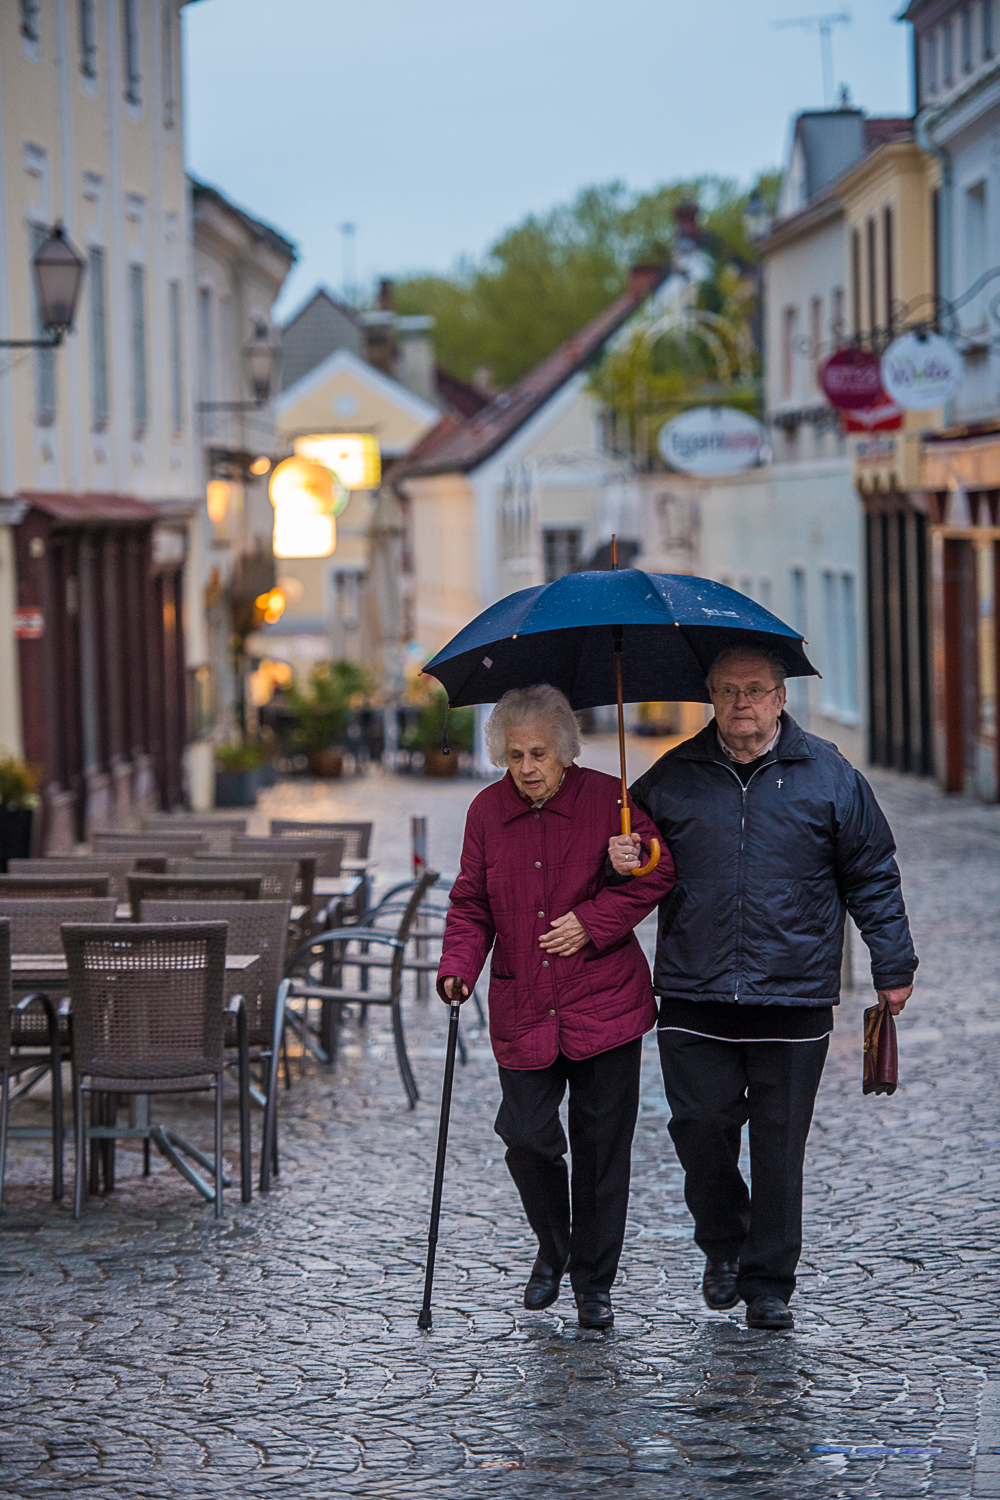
pixel 176 357
pixel 948 53
pixel 930 51
pixel 764 592
pixel 976 252
pixel 30 20
pixel 99 403
pixel 746 586
pixel 561 551
pixel 789 334
pixel 348 600
pixel 167 60
pixel 205 343
pixel 137 320
pixel 131 69
pixel 88 39
pixel 987 30
pixel 798 692
pixel 839 687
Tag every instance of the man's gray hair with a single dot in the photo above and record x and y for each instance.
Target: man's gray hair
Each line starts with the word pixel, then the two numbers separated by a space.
pixel 757 653
pixel 542 703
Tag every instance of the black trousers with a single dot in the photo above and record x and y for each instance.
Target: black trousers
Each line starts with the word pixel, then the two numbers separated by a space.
pixel 713 1089
pixel 603 1104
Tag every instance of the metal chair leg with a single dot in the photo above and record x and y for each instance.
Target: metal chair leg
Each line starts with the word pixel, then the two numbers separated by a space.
pixel 80 1145
pixel 96 1118
pixel 269 1135
pixel 246 1171
pixel 4 1112
pixel 403 1062
pixel 218 1147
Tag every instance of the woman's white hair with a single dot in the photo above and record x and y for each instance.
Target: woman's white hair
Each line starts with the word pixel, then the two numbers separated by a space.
pixel 542 703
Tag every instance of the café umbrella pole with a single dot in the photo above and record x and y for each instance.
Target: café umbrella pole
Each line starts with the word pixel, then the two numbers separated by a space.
pixel 425 1320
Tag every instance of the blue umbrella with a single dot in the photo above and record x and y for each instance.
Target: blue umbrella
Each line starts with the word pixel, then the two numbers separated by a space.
pixel 620 635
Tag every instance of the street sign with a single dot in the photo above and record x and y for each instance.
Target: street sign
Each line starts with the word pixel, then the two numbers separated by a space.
pixel 713 440
pixel 850 379
pixel 921 371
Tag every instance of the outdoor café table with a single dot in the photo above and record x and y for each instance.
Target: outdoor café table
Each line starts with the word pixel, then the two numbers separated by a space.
pixel 357 866
pixel 335 885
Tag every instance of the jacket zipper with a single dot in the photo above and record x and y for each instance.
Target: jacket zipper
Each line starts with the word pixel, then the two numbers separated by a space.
pixel 739 880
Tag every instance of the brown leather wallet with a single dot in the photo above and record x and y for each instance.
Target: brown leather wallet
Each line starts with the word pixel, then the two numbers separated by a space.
pixel 881 1057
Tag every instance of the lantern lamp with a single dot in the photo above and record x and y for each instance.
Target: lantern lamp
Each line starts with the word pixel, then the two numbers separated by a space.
pixel 305 496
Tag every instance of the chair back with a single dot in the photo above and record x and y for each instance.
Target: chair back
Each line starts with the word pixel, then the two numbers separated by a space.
pixel 148 843
pixel 278 878
pixel 327 853
pixel 356 836
pixel 259 927
pixel 5 992
pixel 116 866
pixel 36 925
pixel 217 832
pixel 144 888
pixel 147 999
pixel 53 887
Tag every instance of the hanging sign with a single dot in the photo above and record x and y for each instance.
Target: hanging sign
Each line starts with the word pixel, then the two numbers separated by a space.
pixel 713 440
pixel 921 371
pixel 886 417
pixel 29 623
pixel 850 379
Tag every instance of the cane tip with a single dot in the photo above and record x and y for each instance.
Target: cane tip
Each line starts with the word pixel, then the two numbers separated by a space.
pixel 424 1321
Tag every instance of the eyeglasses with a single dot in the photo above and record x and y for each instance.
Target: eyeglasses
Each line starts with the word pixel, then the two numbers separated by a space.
pixel 753 694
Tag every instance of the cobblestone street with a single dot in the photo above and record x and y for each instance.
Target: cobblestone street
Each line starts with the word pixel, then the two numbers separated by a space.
pixel 149 1352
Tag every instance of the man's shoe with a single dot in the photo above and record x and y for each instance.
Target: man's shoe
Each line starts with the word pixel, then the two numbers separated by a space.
pixel 593 1310
pixel 543 1285
pixel 718 1285
pixel 769 1312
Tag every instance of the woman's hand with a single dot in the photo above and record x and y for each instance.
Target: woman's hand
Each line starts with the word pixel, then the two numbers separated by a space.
pixel 568 936
pixel 449 989
pixel 625 853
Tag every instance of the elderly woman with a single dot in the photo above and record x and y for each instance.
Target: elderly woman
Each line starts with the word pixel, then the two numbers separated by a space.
pixel 570 990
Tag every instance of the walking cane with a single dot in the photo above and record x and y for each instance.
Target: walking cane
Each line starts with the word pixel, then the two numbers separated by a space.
pixel 425 1320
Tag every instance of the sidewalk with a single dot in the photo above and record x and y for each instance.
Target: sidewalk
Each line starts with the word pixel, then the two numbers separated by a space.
pixel 148 1352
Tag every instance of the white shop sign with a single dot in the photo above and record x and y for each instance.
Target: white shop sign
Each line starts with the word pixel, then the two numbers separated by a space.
pixel 921 371
pixel 713 440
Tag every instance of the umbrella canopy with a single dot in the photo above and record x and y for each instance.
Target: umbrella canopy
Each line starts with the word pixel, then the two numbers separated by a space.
pixel 672 628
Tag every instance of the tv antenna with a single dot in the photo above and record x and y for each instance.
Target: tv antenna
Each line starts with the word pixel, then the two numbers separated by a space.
pixel 349 267
pixel 824 26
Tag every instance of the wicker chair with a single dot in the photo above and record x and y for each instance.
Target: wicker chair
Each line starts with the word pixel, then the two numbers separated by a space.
pixel 53 887
pixel 259 927
pixel 217 832
pixel 116 866
pixel 12 1064
pixel 356 836
pixel 326 853
pixel 188 888
pixel 148 843
pixel 149 1018
pixel 341 940
pixel 278 878
pixel 36 925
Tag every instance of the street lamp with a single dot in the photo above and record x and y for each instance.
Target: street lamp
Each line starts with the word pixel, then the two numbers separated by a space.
pixel 58 273
pixel 260 361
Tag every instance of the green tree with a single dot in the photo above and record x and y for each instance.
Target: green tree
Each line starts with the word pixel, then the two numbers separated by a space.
pixel 549 275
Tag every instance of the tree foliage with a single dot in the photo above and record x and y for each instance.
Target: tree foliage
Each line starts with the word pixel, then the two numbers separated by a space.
pixel 549 275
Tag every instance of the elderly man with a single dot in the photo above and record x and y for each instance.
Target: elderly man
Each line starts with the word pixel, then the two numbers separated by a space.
pixel 570 992
pixel 774 835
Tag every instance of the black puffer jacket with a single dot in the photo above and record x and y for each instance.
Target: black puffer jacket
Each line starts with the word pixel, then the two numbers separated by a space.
pixel 764 874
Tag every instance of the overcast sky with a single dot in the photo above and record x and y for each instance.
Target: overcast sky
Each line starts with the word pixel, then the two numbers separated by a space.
pixel 433 126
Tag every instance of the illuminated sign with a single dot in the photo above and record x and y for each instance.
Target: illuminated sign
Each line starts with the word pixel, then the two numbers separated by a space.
pixel 306 497
pixel 353 456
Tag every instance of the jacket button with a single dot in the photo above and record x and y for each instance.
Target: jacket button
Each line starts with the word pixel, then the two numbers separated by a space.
pixel 541 914
pixel 551 1012
pixel 538 864
pixel 545 963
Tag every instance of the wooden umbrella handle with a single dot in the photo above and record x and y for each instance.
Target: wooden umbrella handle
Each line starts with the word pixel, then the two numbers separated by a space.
pixel 654 845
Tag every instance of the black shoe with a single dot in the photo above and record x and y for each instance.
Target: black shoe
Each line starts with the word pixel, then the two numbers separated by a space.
pixel 718 1285
pixel 543 1285
pixel 593 1310
pixel 769 1312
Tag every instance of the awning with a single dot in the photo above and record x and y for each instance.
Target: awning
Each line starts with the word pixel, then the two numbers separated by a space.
pixel 93 507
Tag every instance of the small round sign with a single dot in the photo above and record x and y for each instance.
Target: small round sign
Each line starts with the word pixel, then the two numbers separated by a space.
pixel 850 379
pixel 921 371
pixel 713 440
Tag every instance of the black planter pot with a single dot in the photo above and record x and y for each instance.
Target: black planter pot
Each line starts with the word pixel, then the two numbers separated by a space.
pixel 15 834
pixel 239 788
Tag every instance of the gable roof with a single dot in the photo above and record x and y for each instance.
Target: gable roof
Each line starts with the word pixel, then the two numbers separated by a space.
pixel 321 326
pixel 343 361
pixel 470 444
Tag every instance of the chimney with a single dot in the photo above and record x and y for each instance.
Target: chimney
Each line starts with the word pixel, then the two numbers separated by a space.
pixel 385 295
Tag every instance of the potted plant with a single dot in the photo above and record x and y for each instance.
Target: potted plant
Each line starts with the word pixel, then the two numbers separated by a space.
pixel 323 712
pixel 240 772
pixel 429 733
pixel 18 800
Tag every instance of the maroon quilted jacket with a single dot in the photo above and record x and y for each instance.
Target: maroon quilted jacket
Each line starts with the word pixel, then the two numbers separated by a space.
pixel 522 870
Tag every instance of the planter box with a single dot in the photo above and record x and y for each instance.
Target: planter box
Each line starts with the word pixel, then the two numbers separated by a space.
pixel 436 763
pixel 239 788
pixel 15 834
pixel 326 763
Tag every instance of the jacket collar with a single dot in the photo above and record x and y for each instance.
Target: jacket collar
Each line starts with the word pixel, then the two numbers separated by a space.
pixel 513 805
pixel 793 744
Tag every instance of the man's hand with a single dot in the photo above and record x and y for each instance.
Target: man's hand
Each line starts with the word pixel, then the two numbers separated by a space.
pixel 567 936
pixel 449 989
pixel 895 999
pixel 625 852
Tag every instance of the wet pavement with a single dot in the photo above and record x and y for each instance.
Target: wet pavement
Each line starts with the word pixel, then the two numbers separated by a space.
pixel 149 1352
